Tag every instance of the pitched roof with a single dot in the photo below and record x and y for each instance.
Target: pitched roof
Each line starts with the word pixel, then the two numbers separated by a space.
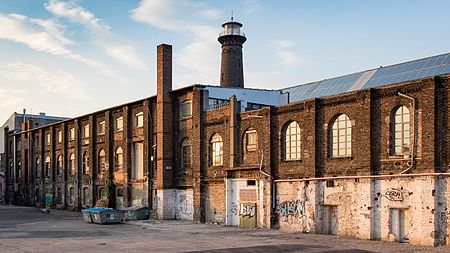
pixel 407 71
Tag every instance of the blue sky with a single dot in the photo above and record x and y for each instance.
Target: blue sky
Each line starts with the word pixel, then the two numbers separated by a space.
pixel 69 58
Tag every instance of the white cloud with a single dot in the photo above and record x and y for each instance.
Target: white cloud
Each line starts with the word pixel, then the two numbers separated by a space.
pixel 100 32
pixel 43 35
pixel 42 81
pixel 200 56
pixel 289 58
pixel 285 43
pixel 252 6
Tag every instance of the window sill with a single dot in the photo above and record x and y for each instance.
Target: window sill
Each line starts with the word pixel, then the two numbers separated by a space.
pixel 292 161
pixel 99 134
pixel 343 158
pixel 119 130
pixel 186 117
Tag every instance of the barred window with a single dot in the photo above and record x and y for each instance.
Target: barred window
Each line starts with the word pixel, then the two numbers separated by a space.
pixel 118 159
pixel 341 136
pixel 86 131
pixel 291 142
pixel 216 150
pixel 38 168
pixel 85 196
pixel 185 153
pixel 60 137
pixel 401 132
pixel 139 119
pixel 71 195
pixel 72 134
pixel 59 195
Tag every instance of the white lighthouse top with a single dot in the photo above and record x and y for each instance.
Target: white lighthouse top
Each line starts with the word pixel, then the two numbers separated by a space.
pixel 232 28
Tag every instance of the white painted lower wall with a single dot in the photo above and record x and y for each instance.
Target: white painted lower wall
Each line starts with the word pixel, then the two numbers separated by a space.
pixel 368 208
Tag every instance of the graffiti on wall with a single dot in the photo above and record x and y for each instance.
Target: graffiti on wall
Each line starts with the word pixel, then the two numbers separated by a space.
pixel 234 208
pixel 295 212
pixel 248 210
pixel 48 200
pixel 184 205
pixel 394 194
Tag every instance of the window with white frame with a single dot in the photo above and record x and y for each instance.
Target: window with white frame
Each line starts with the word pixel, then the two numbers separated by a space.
pixel 341 136
pixel 216 150
pixel 86 131
pixel 118 159
pixel 47 139
pixel 60 136
pixel 101 168
pixel 401 132
pixel 72 134
pixel 186 109
pixel 251 139
pixel 119 124
pixel 291 142
pixel 101 128
pixel 139 119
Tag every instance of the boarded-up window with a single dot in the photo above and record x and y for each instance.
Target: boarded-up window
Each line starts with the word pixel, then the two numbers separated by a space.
pixel 138 161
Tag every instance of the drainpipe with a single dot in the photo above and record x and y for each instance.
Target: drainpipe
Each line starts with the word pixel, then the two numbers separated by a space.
pixel 14 162
pixel 413 102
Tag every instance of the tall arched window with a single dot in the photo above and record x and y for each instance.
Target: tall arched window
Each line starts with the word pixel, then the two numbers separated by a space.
pixel 19 169
pixel 47 166
pixel 101 161
pixel 11 170
pixel 216 150
pixel 185 153
pixel 59 195
pixel 401 131
pixel 59 165
pixel 85 196
pixel 341 136
pixel 38 168
pixel 85 163
pixel 291 142
pixel 118 159
pixel 71 195
pixel 72 164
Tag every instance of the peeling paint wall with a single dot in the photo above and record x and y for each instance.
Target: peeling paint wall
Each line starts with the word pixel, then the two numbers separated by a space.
pixel 368 208
pixel 184 206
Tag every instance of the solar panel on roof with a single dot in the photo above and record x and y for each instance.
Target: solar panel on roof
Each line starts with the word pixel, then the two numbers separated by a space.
pixel 421 68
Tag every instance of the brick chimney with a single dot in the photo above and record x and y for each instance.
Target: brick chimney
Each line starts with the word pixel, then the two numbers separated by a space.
pixel 164 134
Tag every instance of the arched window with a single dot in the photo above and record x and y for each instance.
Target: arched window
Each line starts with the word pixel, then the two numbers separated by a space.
pixel 102 193
pixel 185 153
pixel 59 165
pixel 401 131
pixel 11 170
pixel 85 163
pixel 341 136
pixel 186 109
pixel 72 164
pixel 85 196
pixel 59 196
pixel 38 168
pixel 19 169
pixel 291 142
pixel 118 159
pixel 47 166
pixel 71 195
pixel 251 140
pixel 216 150
pixel 101 161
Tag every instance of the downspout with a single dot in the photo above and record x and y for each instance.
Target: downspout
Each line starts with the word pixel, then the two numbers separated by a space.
pixel 14 162
pixel 413 101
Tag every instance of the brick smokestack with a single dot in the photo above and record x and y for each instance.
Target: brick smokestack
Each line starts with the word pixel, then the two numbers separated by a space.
pixel 164 133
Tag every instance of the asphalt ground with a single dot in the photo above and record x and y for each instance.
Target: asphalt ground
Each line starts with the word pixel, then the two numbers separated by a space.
pixel 24 229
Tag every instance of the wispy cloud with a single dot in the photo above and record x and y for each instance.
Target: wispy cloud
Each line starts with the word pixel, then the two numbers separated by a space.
pixel 100 33
pixel 43 35
pixel 286 55
pixel 252 6
pixel 200 55
pixel 42 81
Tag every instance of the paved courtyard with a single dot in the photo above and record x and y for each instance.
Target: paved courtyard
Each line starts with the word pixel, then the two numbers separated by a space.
pixel 25 229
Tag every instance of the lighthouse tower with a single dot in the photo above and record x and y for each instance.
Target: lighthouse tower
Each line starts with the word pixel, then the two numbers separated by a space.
pixel 231 69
